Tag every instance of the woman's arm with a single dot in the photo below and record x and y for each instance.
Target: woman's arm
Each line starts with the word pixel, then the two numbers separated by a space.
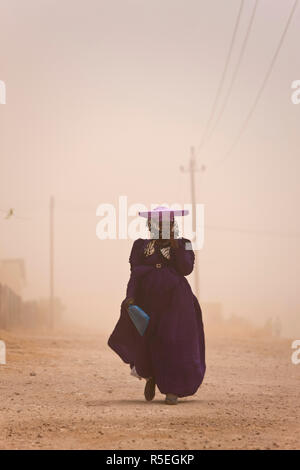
pixel 183 259
pixel 134 260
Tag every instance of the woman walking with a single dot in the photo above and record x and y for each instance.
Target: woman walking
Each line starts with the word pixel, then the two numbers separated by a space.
pixel 171 353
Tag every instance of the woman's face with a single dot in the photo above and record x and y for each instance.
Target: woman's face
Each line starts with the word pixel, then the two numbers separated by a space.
pixel 165 228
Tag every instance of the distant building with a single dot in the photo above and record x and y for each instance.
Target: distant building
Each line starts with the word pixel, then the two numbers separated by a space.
pixel 12 274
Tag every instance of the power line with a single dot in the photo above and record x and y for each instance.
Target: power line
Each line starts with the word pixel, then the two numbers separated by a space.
pixel 192 169
pixel 263 85
pixel 221 83
pixel 240 59
pixel 252 231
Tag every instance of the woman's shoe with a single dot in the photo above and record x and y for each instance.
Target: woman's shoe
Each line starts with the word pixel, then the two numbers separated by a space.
pixel 171 399
pixel 149 391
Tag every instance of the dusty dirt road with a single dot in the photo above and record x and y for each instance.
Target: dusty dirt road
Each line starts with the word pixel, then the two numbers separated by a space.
pixel 70 391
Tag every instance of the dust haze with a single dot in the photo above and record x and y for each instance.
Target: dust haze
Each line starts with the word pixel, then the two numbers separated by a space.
pixel 105 99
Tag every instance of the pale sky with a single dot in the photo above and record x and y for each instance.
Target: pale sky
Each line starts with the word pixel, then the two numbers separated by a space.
pixel 105 98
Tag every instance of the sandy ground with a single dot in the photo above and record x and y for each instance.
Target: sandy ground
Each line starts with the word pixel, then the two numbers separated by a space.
pixel 70 391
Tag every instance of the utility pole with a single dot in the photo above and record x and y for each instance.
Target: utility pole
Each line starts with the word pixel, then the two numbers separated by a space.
pixel 51 297
pixel 192 168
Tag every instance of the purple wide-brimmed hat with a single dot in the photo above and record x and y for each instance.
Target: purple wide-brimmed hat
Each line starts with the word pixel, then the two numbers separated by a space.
pixel 162 212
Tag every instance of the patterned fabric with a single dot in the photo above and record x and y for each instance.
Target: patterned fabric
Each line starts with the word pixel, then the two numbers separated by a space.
pixel 150 249
pixel 166 252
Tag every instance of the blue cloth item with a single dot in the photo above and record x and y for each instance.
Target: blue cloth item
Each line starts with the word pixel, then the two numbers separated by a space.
pixel 139 318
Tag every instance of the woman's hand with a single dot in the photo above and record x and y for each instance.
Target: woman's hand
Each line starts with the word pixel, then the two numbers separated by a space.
pixel 127 302
pixel 174 243
pixel 162 242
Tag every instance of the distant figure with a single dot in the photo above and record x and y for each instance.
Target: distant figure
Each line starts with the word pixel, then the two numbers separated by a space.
pixel 171 354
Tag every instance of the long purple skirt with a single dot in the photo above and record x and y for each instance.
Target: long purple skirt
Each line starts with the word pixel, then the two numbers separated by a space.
pixel 173 346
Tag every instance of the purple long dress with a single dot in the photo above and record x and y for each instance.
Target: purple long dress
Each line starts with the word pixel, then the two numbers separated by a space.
pixel 173 347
